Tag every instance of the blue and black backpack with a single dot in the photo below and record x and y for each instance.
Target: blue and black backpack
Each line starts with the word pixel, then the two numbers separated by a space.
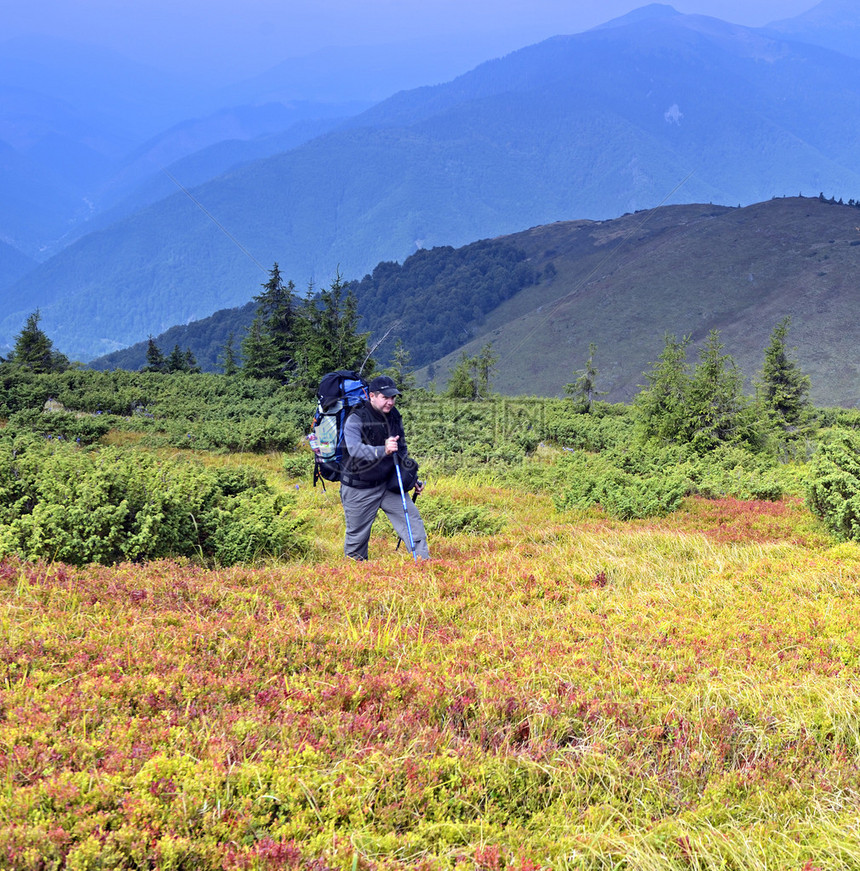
pixel 338 394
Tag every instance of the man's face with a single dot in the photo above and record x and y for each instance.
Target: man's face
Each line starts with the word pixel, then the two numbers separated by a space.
pixel 381 402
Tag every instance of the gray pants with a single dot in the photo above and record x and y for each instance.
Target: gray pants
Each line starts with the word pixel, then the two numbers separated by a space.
pixel 359 511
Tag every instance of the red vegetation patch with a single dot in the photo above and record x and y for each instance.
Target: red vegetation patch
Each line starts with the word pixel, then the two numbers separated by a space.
pixel 730 520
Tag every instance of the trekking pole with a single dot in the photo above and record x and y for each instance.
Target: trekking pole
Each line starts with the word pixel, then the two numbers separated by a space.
pixel 414 499
pixel 405 509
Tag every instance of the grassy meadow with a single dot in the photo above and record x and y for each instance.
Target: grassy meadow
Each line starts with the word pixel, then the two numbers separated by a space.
pixel 571 691
pixel 622 655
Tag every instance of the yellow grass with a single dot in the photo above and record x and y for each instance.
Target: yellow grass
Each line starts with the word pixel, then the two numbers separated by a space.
pixel 571 693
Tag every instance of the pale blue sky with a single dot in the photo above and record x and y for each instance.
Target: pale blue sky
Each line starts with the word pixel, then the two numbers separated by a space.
pixel 248 36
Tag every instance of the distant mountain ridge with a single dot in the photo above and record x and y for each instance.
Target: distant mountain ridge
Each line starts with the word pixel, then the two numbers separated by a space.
pixel 832 24
pixel 622 284
pixel 81 126
pixel 660 107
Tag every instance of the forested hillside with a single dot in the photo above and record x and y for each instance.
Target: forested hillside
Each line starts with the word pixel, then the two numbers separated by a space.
pixel 541 297
pixel 440 298
pixel 206 339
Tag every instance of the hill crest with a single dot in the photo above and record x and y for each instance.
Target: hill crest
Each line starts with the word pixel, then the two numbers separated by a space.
pixel 685 270
pixel 623 284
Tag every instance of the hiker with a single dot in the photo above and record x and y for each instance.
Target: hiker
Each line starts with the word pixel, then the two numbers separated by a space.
pixel 374 437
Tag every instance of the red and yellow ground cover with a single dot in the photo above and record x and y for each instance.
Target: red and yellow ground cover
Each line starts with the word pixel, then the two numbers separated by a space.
pixel 567 694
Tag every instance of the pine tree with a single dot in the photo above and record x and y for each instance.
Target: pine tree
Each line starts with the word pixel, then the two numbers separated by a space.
pixel 584 390
pixel 400 370
pixel 463 380
pixel 191 362
pixel 485 367
pixel 661 406
pixel 268 350
pixel 470 378
pixel 176 360
pixel 782 389
pixel 327 335
pixel 34 351
pixel 155 361
pixel 228 361
pixel 717 410
pixel 257 353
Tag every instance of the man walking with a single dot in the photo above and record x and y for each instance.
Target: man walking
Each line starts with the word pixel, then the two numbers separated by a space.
pixel 373 435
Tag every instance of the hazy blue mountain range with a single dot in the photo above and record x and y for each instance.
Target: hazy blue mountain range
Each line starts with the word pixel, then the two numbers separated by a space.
pixel 832 24
pixel 541 296
pixel 195 151
pixel 364 73
pixel 76 142
pixel 13 264
pixel 658 107
pixel 84 133
pixel 68 114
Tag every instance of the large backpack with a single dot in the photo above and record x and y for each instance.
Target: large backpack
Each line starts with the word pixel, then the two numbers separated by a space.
pixel 338 394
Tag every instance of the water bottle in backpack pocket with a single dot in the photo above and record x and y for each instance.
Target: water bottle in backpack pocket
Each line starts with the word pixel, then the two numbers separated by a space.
pixel 338 394
pixel 327 432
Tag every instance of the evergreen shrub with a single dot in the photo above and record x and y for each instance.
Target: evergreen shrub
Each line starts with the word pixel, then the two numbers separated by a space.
pixel 733 471
pixel 833 485
pixel 604 427
pixel 443 516
pixel 646 480
pixel 298 464
pixel 449 435
pixel 844 418
pixel 60 502
pixel 596 480
pixel 252 435
pixel 60 425
pixel 253 525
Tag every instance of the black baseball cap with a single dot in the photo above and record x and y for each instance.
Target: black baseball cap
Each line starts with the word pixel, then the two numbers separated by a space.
pixel 384 385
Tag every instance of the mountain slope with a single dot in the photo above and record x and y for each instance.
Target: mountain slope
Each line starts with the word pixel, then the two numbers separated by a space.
pixel 662 108
pixel 152 173
pixel 207 339
pixel 81 127
pixel 68 113
pixel 543 295
pixel 685 270
pixel 13 265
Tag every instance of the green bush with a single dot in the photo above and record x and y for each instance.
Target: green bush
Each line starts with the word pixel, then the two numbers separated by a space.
pixel 253 435
pixel 833 486
pixel 733 471
pixel 59 502
pixel 601 429
pixel 60 425
pixel 596 480
pixel 443 516
pixel 637 479
pixel 844 418
pixel 233 480
pixel 298 464
pixel 252 526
